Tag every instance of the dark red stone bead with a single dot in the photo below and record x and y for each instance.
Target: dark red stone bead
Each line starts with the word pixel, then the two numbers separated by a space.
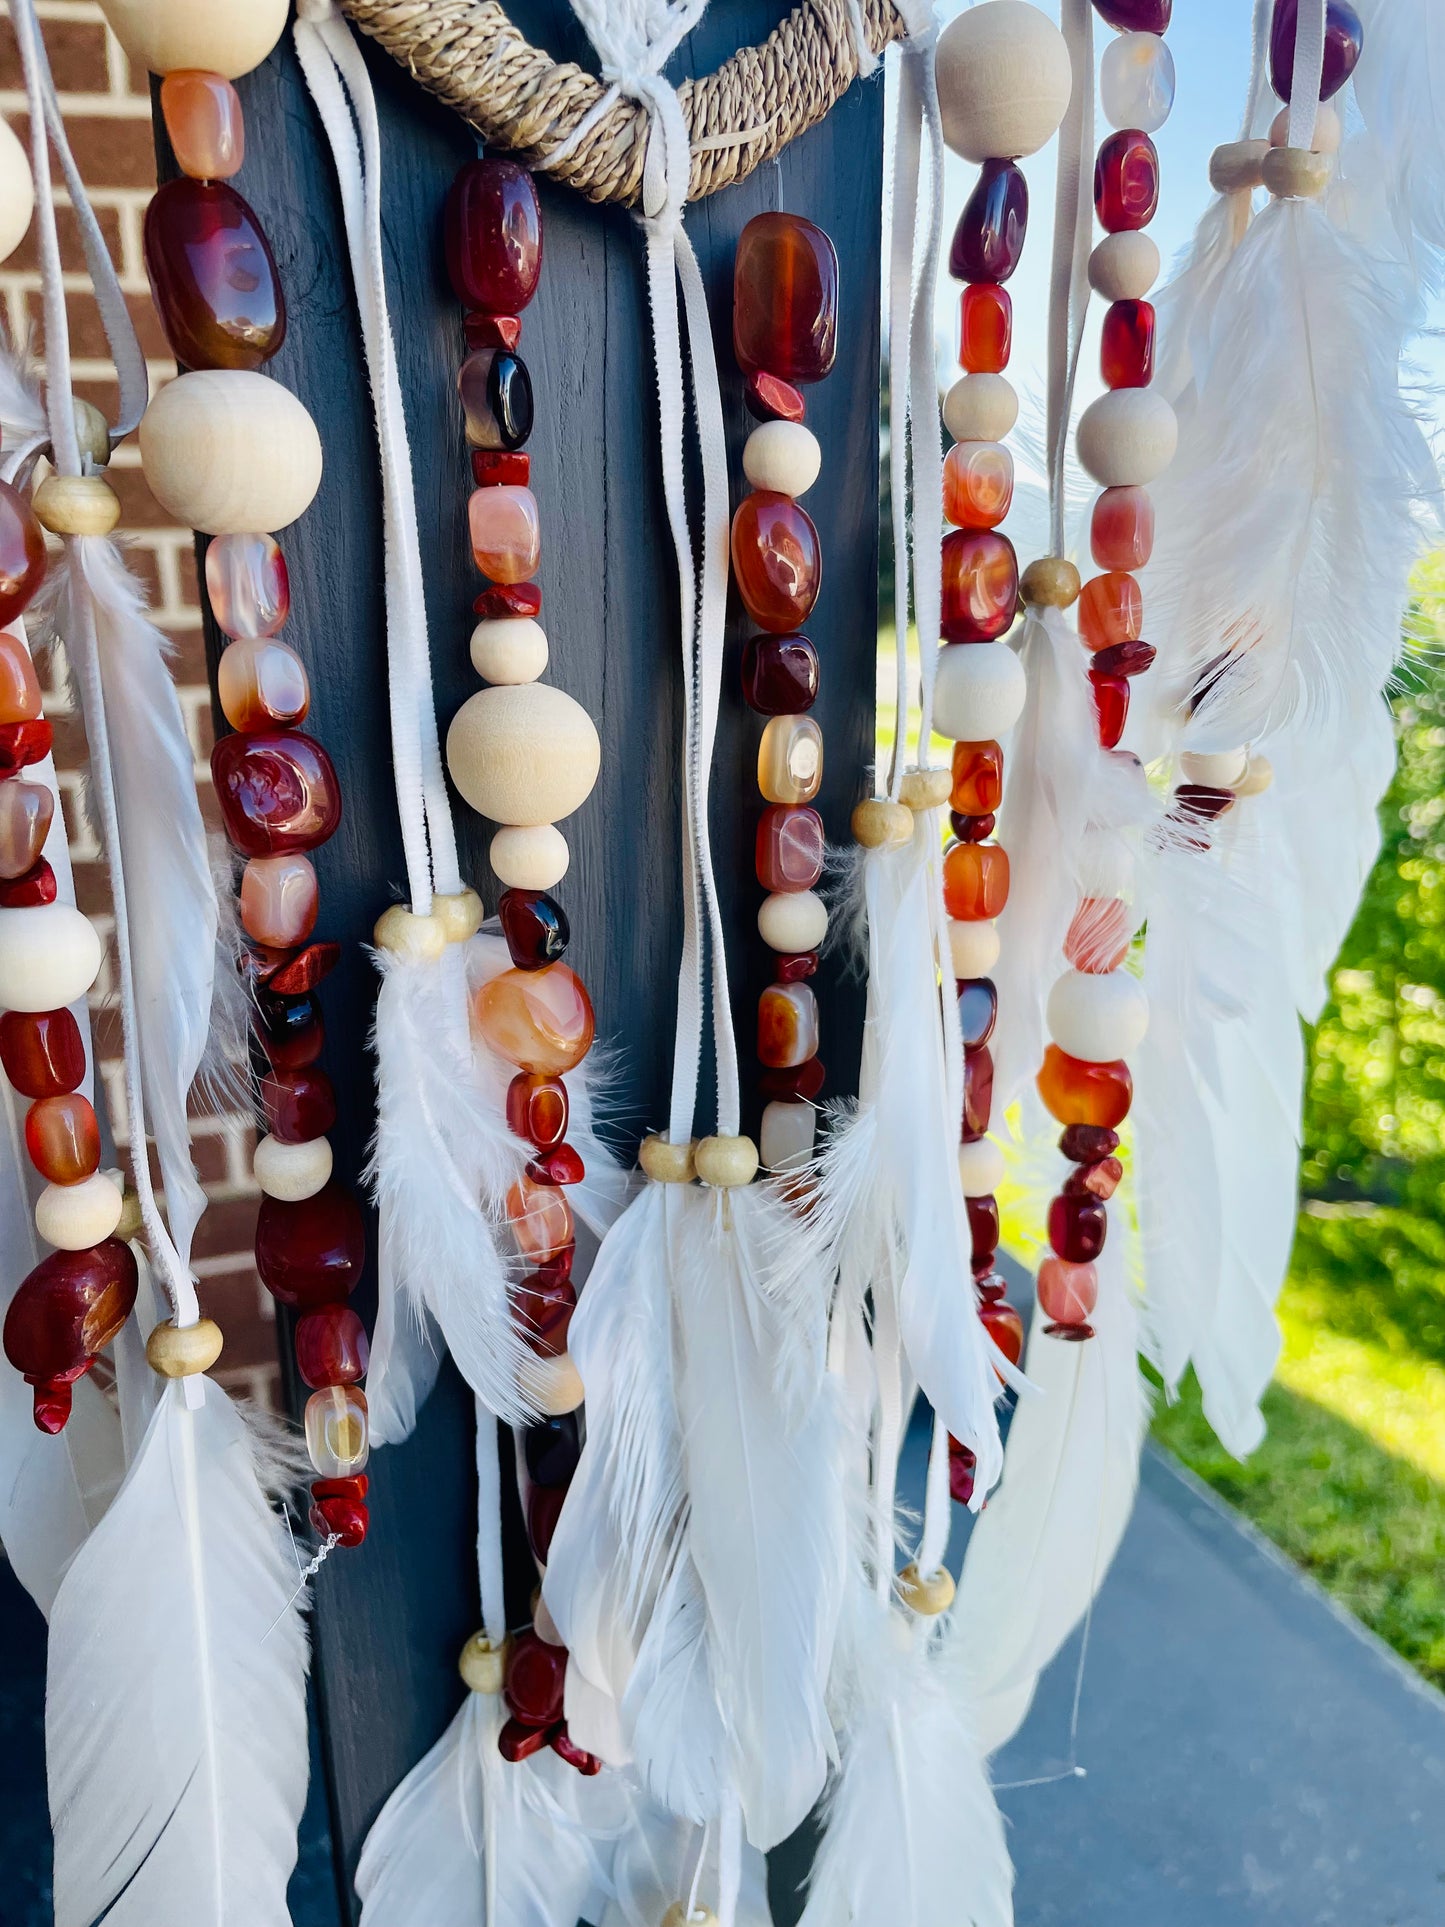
pixel 501 467
pixel 558 1267
pixel 777 560
pixel 22 554
pixel 65 1311
pixel 517 1741
pixel 1126 181
pixel 331 1347
pixel 553 1449
pixel 534 1679
pixel 493 236
pixel 1344 42
pixel 299 1104
pixel 535 927
pixel 803 1081
pixel 962 1472
pixel 309 1253
pixel 542 1306
pixel 1099 1180
pixel 794 967
pixel 971 829
pixel 980 585
pixel 42 1052
pixel 560 1165
pixel 1123 659
pixel 977 1091
pixel 988 242
pixel 1135 16
pixel 1077 1228
pixel 780 675
pixel 353 1487
pixel 770 399
pixel 1126 345
pixel 544 1509
pixel 1111 706
pixel 990 1287
pixel 22 744
pixel 278 792
pixel 983 1227
pixel 290 1030
pixel 1004 1327
pixel 493 331
pixel 1087 1143
pixel 346 1518
pixel 1202 802
pixel 785 299
pixel 212 276
pixel 977 1010
pixel 36 886
pixel 537 1108
pixel 305 969
pixel 502 599
pixel 566 1748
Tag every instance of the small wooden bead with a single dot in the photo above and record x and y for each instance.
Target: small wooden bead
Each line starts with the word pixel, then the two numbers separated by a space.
pixel 1237 167
pixel 73 1217
pixel 229 451
pixel 1221 769
pixel 534 858
pixel 973 948
pixel 76 505
pixel 460 914
pixel 1295 174
pixel 880 825
pixel 523 754
pixel 509 650
pixel 17 191
pixel 726 1162
pixel 49 956
pixel 292 1172
pixel 1127 438
pixel 130 1216
pixel 980 408
pixel 792 921
pixel 667 1163
pixel 227 37
pixel 1124 266
pixel 782 456
pixel 183 1352
pixel 483 1665
pixel 1004 81
pixel 1257 777
pixel 980 1167
pixel 927 1597
pixel 92 432
pixel 1050 583
pixel 979 693
pixel 678 1916
pixel 402 933
pixel 926 789
pixel 1327 135
pixel 553 1385
pixel 1097 1017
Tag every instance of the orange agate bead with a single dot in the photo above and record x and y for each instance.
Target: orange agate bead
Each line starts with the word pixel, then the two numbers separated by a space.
pixel 787 1026
pixel 20 700
pixel 63 1138
pixel 777 560
pixel 1078 1093
pixel 540 1218
pixel 506 532
pixel 975 881
pixel 985 328
pixel 1111 610
pixel 977 778
pixel 978 484
pixel 202 112
pixel 540 1020
pixel 1099 936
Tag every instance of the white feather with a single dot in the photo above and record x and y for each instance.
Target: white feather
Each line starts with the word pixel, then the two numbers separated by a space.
pixel 1399 85
pixel 653 1870
pixel 175 1707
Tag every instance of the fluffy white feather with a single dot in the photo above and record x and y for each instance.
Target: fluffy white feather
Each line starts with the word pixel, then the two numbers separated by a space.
pixel 653 1870
pixel 175 1710
pixel 1399 85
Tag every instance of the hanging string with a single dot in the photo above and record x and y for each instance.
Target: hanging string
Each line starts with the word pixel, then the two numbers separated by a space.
pixel 1073 233
pixel 489 1527
pixel 1308 72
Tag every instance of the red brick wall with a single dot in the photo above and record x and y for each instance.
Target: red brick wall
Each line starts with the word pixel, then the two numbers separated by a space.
pixel 107 112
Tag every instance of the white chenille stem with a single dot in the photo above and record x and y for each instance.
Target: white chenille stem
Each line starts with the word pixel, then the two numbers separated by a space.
pixel 1309 67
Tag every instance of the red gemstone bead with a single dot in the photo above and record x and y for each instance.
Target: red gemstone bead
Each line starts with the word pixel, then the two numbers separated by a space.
pixel 305 969
pixel 1126 345
pixel 543 1305
pixel 1200 802
pixel 535 927
pixel 1099 1180
pixel 977 778
pixel 977 1091
pixel 537 1109
pixel 1344 41
pixel 553 1449
pixel 779 675
pixel 1067 1293
pixel 1121 530
pixel 65 1311
pixel 785 299
pixel 493 236
pixel 502 599
pixel 501 467
pixel 354 1486
pixel 803 1080
pixel 346 1518
pixel 988 242
pixel 1077 1226
pixel 493 331
pixel 212 276
pixel 331 1347
pixel 62 1136
pixel 311 1253
pixel 36 886
pixel 1079 1093
pixel 544 1509
pixel 790 849
pixel 1004 1327
pixel 517 1741
pixel 1111 610
pixel 975 881
pixel 980 585
pixel 566 1748
pixel 972 829
pixel 962 1472
pixel 977 1010
pixel 770 399
pixel 278 792
pixel 561 1165
pixel 1126 181
pixel 22 744
pixel 299 1104
pixel 794 967
pixel 1111 706
pixel 985 328
pixel 1124 659
pixel 777 560
pixel 1135 16
pixel 983 1227
pixel 22 554
pixel 534 1682
pixel 42 1051
pixel 293 1050
pixel 1088 1143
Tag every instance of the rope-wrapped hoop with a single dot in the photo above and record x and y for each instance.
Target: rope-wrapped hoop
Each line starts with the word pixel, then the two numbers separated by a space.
pixel 468 53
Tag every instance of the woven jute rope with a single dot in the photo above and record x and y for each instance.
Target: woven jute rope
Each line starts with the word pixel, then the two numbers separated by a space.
pixel 468 53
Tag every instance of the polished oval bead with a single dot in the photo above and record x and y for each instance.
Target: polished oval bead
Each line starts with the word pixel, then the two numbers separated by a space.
pixel 978 484
pixel 1344 42
pixel 542 1306
pixel 1088 1143
pixel 975 881
pixel 977 1011
pixel 1136 82
pixel 787 1025
pixel 310 1251
pixel 262 685
pixel 770 399
pixel 496 395
pixel 277 792
pixel 65 1311
pixel 1077 1228
pixel 1099 1180
pixel 1124 659
pixel 988 242
pixel 780 674
pixel 985 328
pixel 972 829
pixel 299 1103
pixel 1078 1093
pixel 777 560
pixel 536 1674
pixel 790 760
pixel 212 277
pixel 20 697
pixel 1067 1292
pixel 22 554
pixel 1004 1327
pixel 537 1109
pixel 279 900
pixel 977 780
pixel 535 927
pixel 1099 935
pixel 540 1219
pixel 42 1051
pixel 506 532
pixel 62 1136
pixel 785 299
pixel 493 236
pixel 203 117
pixel 26 812
pixel 801 1081
pixel 553 1449
pixel 247 584
pixel 1111 610
pixel 290 1030
pixel 1126 181
pixel 977 1091
pixel 980 585
pixel 983 1230
pixel 1111 707
pixel 540 1020
pixel 790 848
pixel 1135 16
pixel 331 1347
pixel 338 1431
pixel 36 887
pixel 1126 345
pixel 1121 530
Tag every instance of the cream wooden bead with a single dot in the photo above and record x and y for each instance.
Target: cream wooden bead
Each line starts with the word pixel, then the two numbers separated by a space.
pixel 1050 583
pixel 227 37
pixel 1237 167
pixel 678 1916
pixel 782 456
pixel 1327 135
pixel 482 1665
pixel 972 947
pixel 534 858
pixel 667 1163
pixel 76 505
pixel 292 1172
pixel 460 914
pixel 792 921
pixel 926 789
pixel 1220 769
pixel 1127 437
pixel 980 408
pixel 1295 174
pixel 131 1223
pixel 1124 267
pixel 1097 1018
pixel 980 1167
pixel 229 451
pixel 553 1385
pixel 880 825
pixel 979 693
pixel 402 933
pixel 726 1162
pixel 92 432
pixel 1257 777
pixel 926 1596
pixel 524 754
pixel 17 191
pixel 785 1141
pixel 512 649
pixel 1004 81
pixel 73 1217
pixel 184 1352
pixel 49 956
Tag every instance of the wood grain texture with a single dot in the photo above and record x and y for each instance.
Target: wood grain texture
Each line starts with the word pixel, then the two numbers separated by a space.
pixel 390 1620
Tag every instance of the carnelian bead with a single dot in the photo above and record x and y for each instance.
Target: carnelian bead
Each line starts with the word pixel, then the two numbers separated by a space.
pixel 540 1218
pixel 771 400
pixel 1078 1226
pixel 1111 707
pixel 341 1517
pixel 1344 40
pixel 26 810
pixel 68 1308
pixel 535 927
pixel 1078 1093
pixel 980 585
pixel 248 584
pixel 493 236
pixel 777 560
pixel 537 1109
pixel 544 1509
pixel 1121 532
pixel 972 829
pixel 63 1138
pixel 35 887
pixel 975 881
pixel 540 1020
pixel 299 1104
pixel 22 744
pixel 785 299
pixel 536 1673
pixel 517 1741
pixel 42 1051
pixel 506 532
pixel 22 554
pixel 331 1347
pixel 983 1229
pixel 1123 659
pixel 1087 1143
pixel 988 242
pixel 787 1026
pixel 977 1091
pixel 278 792
pixel 1111 610
pixel 1126 345
pixel 978 484
pixel 310 1253
pixel 20 699
pixel 962 1472
pixel 1068 1292
pixel 207 130
pixel 977 778
pixel 561 1165
pixel 1126 181
pixel 1004 1327
pixel 498 467
pixel 212 276
pixel 262 685
pixel 790 848
pixel 553 1446
pixel 1099 1180
pixel 985 328
pixel 1099 936
pixel 290 1030
pixel 794 1082
pixel 543 1305
pixel 779 675
pixel 279 900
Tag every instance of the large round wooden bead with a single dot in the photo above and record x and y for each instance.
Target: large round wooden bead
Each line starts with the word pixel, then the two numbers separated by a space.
pixel 49 956
pixel 783 457
pixel 460 914
pixel 1127 437
pixel 973 947
pixel 1220 769
pixel 227 37
pixel 792 921
pixel 524 753
pixel 1124 266
pixel 292 1171
pixel 1004 81
pixel 509 649
pixel 1237 167
pixel 182 1352
pixel 979 694
pixel 530 858
pixel 925 789
pixel 228 450
pixel 73 1217
pixel 1097 1018
pixel 980 408
pixel 17 191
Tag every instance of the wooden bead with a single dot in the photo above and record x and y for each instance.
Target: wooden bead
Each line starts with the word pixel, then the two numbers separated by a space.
pixel 1004 81
pixel 230 452
pixel 980 1167
pixel 1127 437
pixel 667 1163
pixel 553 1385
pixel 973 948
pixel 523 754
pixel 183 1352
pixel 927 1597
pixel 980 408
pixel 1257 777
pixel 49 956
pixel 926 789
pixel 17 191
pixel 1097 1017
pixel 534 858
pixel 1221 769
pixel 227 37
pixel 1295 174
pixel 979 694
pixel 678 1916
pixel 130 1216
pixel 402 933
pixel 879 825
pixel 1327 135
pixel 726 1162
pixel 792 921
pixel 483 1665
pixel 782 456
pixel 292 1172
pixel 510 649
pixel 1125 266
pixel 1050 583
pixel 76 505
pixel 73 1217
pixel 92 431
pixel 460 914
pixel 1237 167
